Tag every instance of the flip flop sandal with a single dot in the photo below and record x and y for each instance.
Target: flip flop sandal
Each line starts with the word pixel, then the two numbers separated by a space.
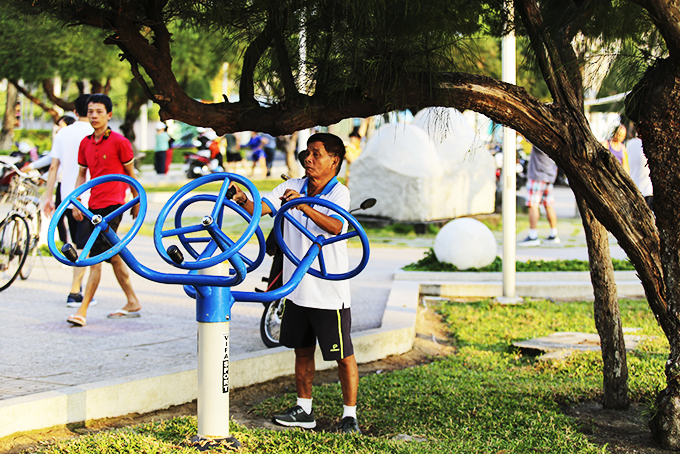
pixel 77 320
pixel 122 313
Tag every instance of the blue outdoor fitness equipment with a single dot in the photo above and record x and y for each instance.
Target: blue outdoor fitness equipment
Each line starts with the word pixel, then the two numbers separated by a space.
pixel 213 294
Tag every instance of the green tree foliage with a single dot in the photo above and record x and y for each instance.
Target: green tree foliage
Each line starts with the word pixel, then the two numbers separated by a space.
pixel 34 48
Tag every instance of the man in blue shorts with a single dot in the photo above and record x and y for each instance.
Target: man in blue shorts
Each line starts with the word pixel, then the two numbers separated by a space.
pixel 317 310
pixel 541 174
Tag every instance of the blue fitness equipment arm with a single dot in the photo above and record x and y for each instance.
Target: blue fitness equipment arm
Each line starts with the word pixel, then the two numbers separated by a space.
pixel 213 293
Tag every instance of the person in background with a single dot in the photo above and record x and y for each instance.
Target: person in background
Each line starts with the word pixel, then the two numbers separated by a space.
pixel 233 152
pixel 105 152
pixel 269 151
pixel 639 170
pixel 161 148
pixel 256 144
pixel 64 156
pixel 353 150
pixel 616 146
pixel 541 174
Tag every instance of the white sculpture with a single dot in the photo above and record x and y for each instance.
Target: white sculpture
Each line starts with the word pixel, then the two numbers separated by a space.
pixel 432 169
pixel 465 243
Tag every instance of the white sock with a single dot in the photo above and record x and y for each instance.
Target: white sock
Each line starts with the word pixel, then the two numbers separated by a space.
pixel 306 404
pixel 553 232
pixel 349 411
pixel 533 234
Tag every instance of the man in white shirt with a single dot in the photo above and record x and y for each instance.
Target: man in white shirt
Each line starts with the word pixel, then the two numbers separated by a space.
pixel 639 170
pixel 65 158
pixel 317 309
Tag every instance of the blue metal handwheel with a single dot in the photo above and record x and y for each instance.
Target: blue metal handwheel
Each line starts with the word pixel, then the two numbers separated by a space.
pixel 101 223
pixel 187 241
pixel 322 273
pixel 211 224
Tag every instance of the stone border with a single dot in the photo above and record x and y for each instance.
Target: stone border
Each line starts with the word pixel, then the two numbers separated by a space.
pixel 148 392
pixel 553 285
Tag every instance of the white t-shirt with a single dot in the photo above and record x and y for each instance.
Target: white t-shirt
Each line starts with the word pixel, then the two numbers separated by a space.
pixel 639 170
pixel 65 149
pixel 312 291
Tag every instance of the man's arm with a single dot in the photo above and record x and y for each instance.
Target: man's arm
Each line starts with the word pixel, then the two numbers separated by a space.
pixel 129 169
pixel 48 204
pixel 247 204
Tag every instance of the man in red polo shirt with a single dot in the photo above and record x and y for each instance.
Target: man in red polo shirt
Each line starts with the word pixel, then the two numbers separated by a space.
pixel 104 153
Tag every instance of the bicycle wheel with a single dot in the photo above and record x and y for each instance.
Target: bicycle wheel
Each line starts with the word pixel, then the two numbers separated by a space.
pixel 34 224
pixel 14 242
pixel 270 323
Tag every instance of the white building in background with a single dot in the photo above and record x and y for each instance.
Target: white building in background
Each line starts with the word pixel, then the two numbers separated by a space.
pixel 434 168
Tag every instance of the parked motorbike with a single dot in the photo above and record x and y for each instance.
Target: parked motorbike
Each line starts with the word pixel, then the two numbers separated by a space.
pixel 26 158
pixel 206 159
pixel 270 323
pixel 520 168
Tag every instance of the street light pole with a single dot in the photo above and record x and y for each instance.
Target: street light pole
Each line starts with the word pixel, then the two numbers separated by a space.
pixel 509 177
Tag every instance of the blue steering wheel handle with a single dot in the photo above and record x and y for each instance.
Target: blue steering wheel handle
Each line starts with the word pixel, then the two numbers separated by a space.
pixel 321 240
pixel 187 241
pixel 100 225
pixel 218 238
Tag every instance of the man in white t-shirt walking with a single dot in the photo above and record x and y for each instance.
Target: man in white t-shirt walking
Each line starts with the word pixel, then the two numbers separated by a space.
pixel 639 170
pixel 317 310
pixel 65 158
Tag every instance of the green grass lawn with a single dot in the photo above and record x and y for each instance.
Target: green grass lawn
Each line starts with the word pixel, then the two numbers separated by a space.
pixel 485 398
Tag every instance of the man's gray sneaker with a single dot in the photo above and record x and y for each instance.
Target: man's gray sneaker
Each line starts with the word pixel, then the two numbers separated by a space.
pixel 348 425
pixel 295 417
pixel 553 239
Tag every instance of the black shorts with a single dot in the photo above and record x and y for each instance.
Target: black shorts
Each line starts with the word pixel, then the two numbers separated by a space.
pixel 302 326
pixel 79 230
pixel 101 244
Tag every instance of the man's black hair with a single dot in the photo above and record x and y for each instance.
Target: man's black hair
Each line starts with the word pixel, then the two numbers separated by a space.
pixel 68 119
pixel 332 143
pixel 81 105
pixel 100 98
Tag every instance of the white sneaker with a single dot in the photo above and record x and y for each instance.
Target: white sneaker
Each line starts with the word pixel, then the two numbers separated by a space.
pixel 528 241
pixel 553 239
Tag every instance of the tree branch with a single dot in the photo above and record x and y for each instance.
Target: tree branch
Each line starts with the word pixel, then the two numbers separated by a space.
pixel 666 17
pixel 553 67
pixel 252 55
pixel 35 100
pixel 284 68
pixel 48 87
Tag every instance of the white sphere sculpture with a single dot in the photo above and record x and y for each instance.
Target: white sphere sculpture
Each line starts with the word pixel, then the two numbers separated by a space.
pixel 465 243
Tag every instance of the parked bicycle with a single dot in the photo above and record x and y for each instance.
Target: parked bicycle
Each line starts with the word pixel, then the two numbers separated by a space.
pixel 20 229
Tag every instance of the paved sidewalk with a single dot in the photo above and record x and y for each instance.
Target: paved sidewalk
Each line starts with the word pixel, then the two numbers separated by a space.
pixel 39 351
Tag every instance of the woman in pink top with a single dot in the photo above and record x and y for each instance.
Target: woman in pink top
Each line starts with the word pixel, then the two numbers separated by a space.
pixel 616 146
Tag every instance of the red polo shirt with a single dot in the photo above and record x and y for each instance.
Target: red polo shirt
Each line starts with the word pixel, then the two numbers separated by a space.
pixel 105 157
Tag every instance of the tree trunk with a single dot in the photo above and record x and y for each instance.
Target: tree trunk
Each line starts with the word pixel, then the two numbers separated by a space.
pixel 606 312
pixel 655 106
pixel 7 134
pixel 135 101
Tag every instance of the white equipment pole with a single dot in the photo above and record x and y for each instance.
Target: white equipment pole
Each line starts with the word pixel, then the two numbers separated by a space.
pixel 509 178
pixel 213 366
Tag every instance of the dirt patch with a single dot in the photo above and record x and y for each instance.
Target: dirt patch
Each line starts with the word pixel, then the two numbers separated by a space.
pixel 621 432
